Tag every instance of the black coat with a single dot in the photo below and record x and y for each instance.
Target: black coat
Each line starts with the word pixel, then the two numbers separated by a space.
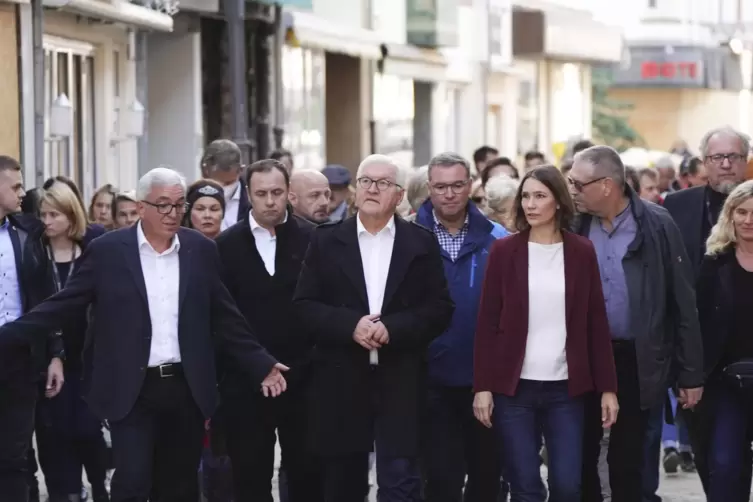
pixel 688 208
pixel 266 302
pixel 715 307
pixel 110 279
pixel 331 299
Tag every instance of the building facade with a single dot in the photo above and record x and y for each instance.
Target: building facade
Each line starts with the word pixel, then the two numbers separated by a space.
pixel 688 67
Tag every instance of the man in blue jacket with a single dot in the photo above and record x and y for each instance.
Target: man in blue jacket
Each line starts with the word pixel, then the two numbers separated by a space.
pixel 456 444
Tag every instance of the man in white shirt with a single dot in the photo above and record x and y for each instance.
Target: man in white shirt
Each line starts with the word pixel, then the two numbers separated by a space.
pixel 372 291
pixel 159 312
pixel 222 163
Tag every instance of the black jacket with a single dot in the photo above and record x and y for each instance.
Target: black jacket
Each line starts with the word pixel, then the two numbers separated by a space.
pixel 688 209
pixel 331 298
pixel 661 289
pixel 110 279
pixel 29 362
pixel 267 302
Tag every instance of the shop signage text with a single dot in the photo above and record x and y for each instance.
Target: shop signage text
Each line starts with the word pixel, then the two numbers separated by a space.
pixel 653 70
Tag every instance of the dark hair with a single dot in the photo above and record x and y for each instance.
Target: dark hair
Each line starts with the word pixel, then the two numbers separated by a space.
pixel 483 152
pixel 121 197
pixel 30 202
pixel 266 166
pixel 66 180
pixel 633 178
pixel 280 153
pixel 690 166
pixel 533 154
pixel 8 163
pixel 197 190
pixel 581 145
pixel 552 178
pixel 502 161
pixel 222 155
pixel 566 165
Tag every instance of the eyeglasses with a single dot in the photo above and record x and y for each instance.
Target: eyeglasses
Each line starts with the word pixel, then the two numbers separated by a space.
pixel 381 185
pixel 180 208
pixel 456 188
pixel 579 186
pixel 733 158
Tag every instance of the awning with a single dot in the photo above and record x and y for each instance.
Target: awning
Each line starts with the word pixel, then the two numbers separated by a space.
pixel 565 34
pixel 308 30
pixel 410 61
pixel 118 11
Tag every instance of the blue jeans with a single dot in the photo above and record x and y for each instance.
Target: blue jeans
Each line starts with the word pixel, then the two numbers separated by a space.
pixel 676 435
pixel 728 444
pixel 518 422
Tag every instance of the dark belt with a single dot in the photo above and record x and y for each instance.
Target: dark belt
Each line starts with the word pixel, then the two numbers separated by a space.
pixel 620 343
pixel 165 370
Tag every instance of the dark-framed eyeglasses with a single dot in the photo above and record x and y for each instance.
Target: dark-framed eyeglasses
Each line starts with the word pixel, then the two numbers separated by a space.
pixel 579 186
pixel 381 185
pixel 165 208
pixel 733 158
pixel 456 188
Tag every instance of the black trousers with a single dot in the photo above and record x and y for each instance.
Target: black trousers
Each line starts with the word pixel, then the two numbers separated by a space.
pixel 17 402
pixel 626 438
pixel 457 445
pixel 158 444
pixel 252 424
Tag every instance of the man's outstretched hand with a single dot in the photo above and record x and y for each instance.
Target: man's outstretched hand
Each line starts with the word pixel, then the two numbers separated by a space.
pixel 275 383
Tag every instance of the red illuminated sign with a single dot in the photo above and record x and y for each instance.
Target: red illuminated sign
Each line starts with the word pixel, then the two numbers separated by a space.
pixel 651 70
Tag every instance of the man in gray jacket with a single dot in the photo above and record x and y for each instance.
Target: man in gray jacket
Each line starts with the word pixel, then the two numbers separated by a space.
pixel 648 287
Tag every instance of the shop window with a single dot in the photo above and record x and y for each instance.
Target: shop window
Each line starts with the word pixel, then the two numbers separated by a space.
pixel 303 75
pixel 69 72
pixel 394 107
pixel 528 107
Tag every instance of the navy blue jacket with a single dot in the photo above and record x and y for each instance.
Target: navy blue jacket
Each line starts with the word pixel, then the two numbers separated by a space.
pixel 450 356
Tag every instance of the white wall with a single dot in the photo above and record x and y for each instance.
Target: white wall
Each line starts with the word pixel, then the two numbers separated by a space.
pixel 175 122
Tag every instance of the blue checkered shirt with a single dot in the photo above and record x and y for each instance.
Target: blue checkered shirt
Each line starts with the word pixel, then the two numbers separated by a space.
pixel 449 242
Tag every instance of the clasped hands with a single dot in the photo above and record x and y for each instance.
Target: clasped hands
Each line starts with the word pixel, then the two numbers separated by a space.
pixel 370 333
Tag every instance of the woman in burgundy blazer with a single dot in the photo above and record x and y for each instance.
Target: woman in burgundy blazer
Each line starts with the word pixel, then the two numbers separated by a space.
pixel 542 341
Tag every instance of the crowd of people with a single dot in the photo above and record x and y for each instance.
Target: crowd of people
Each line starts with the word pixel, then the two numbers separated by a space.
pixel 457 325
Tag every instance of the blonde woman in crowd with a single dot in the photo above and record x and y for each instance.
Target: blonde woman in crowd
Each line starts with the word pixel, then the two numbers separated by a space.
pixel 69 435
pixel 100 209
pixel 725 310
pixel 500 201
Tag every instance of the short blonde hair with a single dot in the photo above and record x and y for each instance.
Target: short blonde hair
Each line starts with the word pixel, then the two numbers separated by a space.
pixel 723 234
pixel 63 199
pixel 418 187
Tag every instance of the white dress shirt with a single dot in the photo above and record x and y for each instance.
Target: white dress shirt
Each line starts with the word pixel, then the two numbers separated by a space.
pixel 376 256
pixel 162 278
pixel 10 292
pixel 231 209
pixel 545 359
pixel 266 243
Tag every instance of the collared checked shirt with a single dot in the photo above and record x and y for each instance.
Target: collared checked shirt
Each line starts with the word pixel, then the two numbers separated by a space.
pixel 449 242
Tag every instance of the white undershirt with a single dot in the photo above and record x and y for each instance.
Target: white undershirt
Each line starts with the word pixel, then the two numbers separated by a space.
pixel 162 279
pixel 376 255
pixel 547 332
pixel 231 209
pixel 266 243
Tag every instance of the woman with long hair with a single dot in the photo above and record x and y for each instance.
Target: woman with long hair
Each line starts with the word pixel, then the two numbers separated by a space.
pixel 725 310
pixel 100 208
pixel 69 436
pixel 542 342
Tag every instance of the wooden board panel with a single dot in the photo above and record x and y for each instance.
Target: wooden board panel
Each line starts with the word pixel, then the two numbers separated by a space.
pixel 10 137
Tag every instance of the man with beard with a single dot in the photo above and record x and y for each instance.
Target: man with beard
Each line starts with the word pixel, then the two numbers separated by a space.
pixel 724 152
pixel 309 195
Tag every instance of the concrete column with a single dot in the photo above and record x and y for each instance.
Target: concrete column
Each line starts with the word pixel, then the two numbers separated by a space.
pixel 422 122
pixel 142 95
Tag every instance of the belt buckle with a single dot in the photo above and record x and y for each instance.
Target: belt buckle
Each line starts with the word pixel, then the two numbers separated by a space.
pixel 162 368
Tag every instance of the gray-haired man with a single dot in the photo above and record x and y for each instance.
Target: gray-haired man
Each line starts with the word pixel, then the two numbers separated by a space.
pixel 222 163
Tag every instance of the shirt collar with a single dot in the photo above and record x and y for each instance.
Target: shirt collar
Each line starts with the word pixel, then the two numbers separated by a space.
pixel 389 227
pixel 255 224
pixel 141 239
pixel 439 224
pixel 237 194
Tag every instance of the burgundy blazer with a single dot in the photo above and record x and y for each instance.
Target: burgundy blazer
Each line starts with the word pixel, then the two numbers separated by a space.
pixel 502 329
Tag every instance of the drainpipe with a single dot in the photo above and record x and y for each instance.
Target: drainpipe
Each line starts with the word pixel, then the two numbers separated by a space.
pixel 279 41
pixel 142 95
pixel 486 69
pixel 235 16
pixel 39 84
